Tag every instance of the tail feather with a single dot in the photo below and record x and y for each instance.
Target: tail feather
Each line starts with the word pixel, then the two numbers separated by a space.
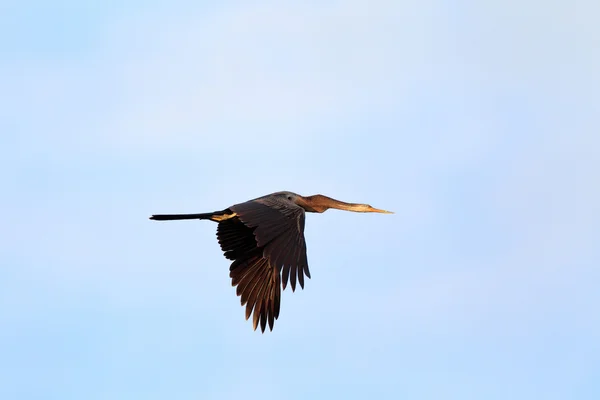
pixel 169 217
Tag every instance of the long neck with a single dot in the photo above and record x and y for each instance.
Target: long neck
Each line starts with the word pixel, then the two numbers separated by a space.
pixel 319 203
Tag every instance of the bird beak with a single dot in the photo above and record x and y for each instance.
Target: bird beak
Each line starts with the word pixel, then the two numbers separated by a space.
pixel 371 209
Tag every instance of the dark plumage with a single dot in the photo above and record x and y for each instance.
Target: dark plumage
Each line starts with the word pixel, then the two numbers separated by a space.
pixel 264 238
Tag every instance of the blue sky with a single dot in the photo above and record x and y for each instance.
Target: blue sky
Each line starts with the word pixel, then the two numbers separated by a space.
pixel 476 123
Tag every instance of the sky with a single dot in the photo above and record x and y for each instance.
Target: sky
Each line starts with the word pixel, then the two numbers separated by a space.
pixel 476 122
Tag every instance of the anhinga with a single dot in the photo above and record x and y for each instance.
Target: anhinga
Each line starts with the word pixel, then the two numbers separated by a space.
pixel 264 238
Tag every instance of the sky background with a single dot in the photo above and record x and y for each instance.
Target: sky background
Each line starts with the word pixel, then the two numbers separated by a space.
pixel 476 122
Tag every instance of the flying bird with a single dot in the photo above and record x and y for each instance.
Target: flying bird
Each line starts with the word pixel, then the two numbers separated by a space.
pixel 264 238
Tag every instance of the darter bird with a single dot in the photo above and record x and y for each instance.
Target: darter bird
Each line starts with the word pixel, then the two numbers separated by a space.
pixel 264 238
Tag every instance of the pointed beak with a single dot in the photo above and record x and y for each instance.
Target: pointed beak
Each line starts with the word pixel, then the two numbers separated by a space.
pixel 371 209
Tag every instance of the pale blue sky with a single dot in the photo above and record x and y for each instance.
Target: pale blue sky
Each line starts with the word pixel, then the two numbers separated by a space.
pixel 477 122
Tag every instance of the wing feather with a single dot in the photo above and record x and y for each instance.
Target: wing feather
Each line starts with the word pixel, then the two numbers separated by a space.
pixel 265 240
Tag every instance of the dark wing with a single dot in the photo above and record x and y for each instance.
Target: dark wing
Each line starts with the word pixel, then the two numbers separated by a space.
pixel 257 282
pixel 262 240
pixel 279 231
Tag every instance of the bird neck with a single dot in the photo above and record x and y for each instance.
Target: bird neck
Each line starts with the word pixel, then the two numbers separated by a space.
pixel 319 203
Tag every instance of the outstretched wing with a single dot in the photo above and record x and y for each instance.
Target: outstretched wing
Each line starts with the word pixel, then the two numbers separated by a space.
pixel 279 231
pixel 265 240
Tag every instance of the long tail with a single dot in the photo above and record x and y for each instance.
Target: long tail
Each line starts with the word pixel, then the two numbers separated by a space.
pixel 169 217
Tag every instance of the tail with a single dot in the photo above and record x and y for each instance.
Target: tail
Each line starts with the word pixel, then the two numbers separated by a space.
pixel 169 217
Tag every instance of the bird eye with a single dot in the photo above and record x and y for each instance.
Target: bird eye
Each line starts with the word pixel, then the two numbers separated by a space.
pixel 289 197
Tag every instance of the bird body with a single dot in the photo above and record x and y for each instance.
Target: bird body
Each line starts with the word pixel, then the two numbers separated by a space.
pixel 264 238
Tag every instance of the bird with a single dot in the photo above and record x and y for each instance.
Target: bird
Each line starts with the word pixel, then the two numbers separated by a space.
pixel 264 239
